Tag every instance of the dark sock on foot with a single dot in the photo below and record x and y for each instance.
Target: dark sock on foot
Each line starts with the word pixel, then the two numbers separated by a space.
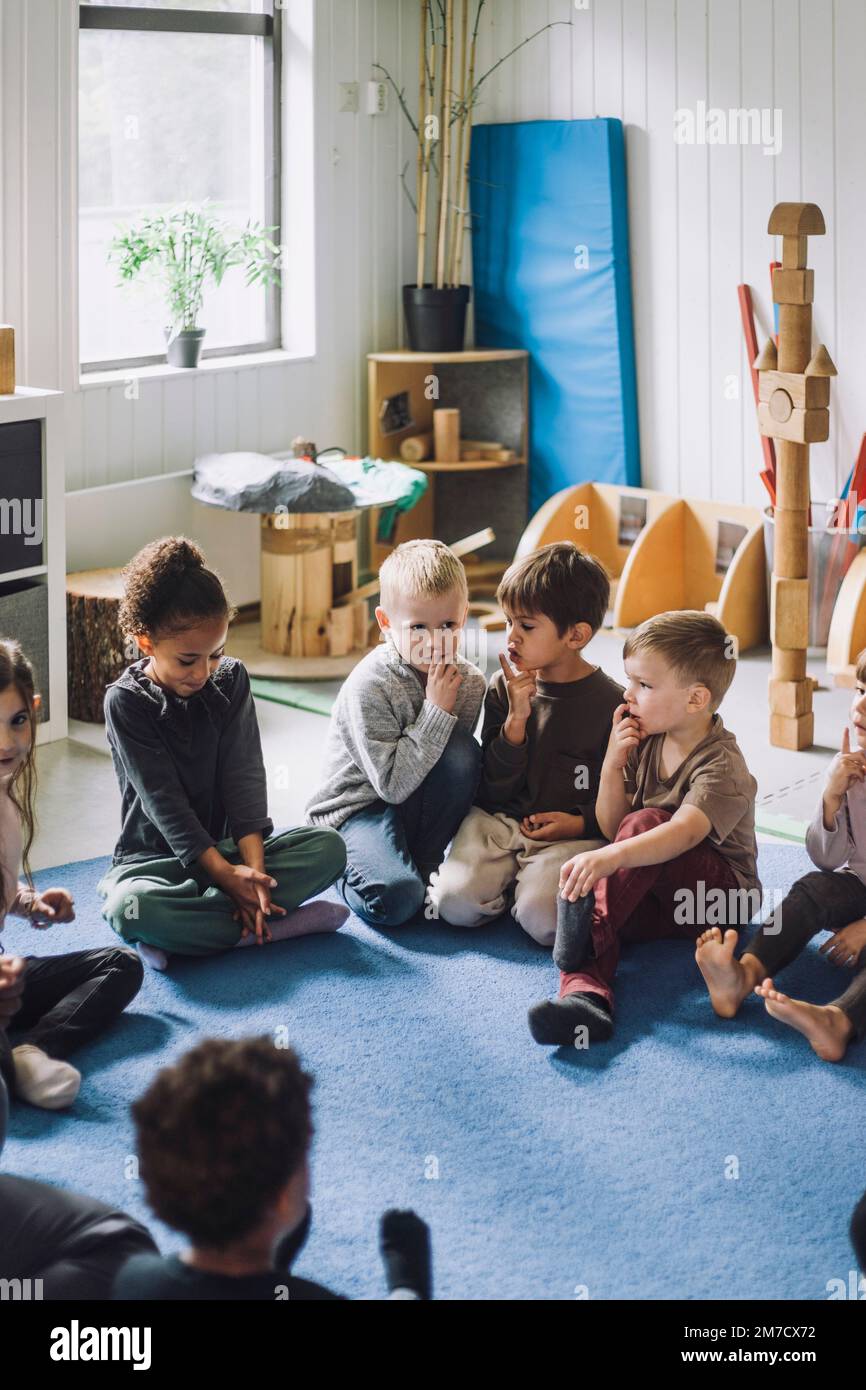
pixel 573 945
pixel 553 1022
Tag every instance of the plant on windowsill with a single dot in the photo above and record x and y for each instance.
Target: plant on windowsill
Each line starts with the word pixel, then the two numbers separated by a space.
pixel 185 249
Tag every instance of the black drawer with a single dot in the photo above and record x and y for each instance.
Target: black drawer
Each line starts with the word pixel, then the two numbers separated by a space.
pixel 21 509
pixel 24 437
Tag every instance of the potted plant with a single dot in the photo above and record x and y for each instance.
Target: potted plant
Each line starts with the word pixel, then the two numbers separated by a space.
pixel 186 248
pixel 448 89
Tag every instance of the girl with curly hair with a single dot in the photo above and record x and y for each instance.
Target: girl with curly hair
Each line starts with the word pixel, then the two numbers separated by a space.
pixel 197 868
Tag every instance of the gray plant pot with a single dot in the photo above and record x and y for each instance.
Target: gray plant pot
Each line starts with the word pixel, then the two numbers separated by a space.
pixel 184 349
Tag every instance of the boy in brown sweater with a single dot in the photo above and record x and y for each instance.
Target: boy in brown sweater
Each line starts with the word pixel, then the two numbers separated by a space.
pixel 677 800
pixel 547 717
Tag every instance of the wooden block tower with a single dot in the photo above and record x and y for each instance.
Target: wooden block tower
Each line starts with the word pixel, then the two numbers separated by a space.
pixel 793 405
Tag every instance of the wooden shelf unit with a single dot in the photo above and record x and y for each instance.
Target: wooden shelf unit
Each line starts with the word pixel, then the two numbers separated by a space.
pixel 490 387
pixel 33 597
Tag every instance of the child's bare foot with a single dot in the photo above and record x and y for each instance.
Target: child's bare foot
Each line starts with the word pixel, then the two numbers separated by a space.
pixel 725 977
pixel 825 1026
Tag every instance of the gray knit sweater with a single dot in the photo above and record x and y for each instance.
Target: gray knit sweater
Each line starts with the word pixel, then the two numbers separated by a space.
pixel 385 735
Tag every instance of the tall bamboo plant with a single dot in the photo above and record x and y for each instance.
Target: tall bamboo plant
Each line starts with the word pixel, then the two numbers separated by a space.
pixel 448 91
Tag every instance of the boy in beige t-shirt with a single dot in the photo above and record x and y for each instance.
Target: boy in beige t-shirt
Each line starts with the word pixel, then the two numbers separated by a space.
pixel 678 803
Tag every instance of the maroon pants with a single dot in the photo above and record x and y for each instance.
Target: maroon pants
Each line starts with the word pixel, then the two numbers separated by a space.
pixel 639 905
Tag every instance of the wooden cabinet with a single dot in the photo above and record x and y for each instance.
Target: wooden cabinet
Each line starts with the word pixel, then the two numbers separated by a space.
pixel 490 389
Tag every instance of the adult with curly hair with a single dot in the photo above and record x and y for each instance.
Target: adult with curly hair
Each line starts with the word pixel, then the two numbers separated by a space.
pixel 197 868
pixel 223 1141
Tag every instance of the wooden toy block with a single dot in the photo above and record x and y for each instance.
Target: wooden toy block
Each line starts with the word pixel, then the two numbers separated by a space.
pixel 790 543
pixel 788 665
pixel 789 612
pixel 501 455
pixel 482 445
pixel 768 358
pixel 469 455
pixel 7 360
pixel 790 698
pixel 417 447
pixel 798 426
pixel 796 219
pixel 793 286
pixel 807 392
pixel 795 337
pixel 792 732
pixel 794 249
pixel 821 363
pixel 792 486
pixel 446 434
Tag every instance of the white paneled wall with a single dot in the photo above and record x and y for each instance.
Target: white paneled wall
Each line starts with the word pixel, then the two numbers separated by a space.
pixel 363 246
pixel 698 215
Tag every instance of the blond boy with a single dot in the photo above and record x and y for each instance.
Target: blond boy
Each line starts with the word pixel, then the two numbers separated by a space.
pixel 401 763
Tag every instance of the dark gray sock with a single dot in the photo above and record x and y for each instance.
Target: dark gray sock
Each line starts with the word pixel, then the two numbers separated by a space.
pixel 553 1022
pixel 573 945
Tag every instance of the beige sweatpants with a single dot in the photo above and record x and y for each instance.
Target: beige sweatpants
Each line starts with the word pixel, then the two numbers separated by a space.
pixel 488 855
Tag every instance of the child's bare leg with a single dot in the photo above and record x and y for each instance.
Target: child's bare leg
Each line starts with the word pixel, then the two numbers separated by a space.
pixel 728 980
pixel 826 1027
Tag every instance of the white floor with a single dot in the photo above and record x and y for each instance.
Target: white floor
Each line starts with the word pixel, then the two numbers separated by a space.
pixel 78 802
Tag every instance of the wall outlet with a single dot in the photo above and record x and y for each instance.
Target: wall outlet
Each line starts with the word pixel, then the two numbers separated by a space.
pixel 348 96
pixel 377 98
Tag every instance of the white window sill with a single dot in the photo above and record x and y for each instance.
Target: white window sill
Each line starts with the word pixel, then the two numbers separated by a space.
pixel 162 371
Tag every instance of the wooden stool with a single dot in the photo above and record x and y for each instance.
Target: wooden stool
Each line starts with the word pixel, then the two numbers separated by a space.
pixel 310 560
pixel 97 650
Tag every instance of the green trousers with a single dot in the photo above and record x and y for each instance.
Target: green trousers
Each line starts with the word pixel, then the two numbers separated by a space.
pixel 180 909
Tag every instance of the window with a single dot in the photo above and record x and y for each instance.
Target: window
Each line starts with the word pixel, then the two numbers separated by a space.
pixel 178 104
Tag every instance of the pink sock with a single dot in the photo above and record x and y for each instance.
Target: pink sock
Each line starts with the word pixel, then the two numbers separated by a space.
pixel 317 916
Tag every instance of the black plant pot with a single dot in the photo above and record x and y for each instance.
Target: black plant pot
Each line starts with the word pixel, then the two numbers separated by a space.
pixel 435 319
pixel 184 349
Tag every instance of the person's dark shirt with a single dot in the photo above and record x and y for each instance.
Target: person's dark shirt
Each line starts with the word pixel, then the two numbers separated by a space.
pixel 190 771
pixel 157 1278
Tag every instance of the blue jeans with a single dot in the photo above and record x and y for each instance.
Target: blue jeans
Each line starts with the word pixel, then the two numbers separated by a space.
pixel 392 850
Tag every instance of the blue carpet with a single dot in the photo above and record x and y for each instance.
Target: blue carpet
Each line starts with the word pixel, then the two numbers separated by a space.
pixel 538 1170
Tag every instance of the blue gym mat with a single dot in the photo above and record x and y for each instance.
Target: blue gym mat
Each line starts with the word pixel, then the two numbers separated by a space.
pixel 538 1170
pixel 550 266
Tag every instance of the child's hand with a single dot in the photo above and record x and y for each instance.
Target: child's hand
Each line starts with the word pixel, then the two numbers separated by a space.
pixel 53 905
pixel 521 688
pixel 625 735
pixel 12 972
pixel 582 871
pixel 552 825
pixel 844 946
pixel 845 769
pixel 249 890
pixel 443 682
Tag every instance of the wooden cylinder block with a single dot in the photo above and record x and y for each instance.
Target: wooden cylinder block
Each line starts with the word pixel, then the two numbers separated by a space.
pixel 790 698
pixel 446 433
pixel 789 612
pixel 792 480
pixel 790 543
pixel 304 558
pixel 795 337
pixel 789 665
pixel 416 448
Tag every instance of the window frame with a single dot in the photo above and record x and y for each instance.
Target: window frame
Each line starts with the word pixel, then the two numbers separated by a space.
pixel 267 25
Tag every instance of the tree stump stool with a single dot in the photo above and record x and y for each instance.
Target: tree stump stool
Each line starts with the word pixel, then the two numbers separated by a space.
pixel 97 650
